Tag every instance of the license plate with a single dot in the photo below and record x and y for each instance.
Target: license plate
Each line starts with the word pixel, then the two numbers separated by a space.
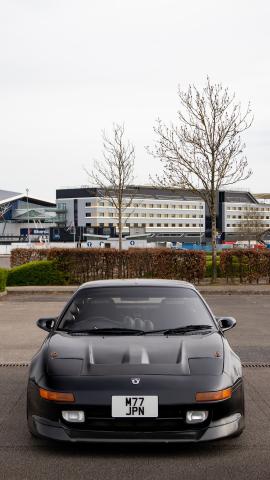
pixel 134 406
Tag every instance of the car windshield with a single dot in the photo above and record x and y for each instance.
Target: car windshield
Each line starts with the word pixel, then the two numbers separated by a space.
pixel 136 308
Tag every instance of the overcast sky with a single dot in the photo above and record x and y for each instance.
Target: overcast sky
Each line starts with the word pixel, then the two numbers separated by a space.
pixel 69 68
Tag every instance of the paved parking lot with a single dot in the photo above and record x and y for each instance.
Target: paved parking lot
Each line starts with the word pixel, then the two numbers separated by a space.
pixel 22 457
pixel 20 338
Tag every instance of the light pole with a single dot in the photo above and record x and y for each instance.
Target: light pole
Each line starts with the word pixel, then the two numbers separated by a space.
pixel 28 228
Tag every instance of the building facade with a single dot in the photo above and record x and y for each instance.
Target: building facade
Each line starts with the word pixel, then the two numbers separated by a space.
pixel 243 217
pixel 171 215
pixel 20 215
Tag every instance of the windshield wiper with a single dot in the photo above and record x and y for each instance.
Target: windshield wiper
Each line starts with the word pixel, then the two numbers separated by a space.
pixel 98 331
pixel 132 331
pixel 180 330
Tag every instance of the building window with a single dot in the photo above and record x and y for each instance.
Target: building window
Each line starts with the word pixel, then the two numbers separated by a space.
pixel 151 224
pixel 101 214
pixel 88 214
pixel 88 204
pixel 173 224
pixel 166 224
pixel 158 224
pixel 101 204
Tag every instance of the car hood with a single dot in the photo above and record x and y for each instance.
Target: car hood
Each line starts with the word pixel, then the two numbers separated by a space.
pixel 200 354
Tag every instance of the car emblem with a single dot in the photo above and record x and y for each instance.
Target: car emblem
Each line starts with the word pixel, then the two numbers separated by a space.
pixel 135 381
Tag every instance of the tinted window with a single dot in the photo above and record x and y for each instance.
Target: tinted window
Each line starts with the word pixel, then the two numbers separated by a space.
pixel 146 308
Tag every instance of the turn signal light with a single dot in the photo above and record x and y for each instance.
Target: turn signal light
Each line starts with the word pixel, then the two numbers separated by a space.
pixel 213 396
pixel 56 396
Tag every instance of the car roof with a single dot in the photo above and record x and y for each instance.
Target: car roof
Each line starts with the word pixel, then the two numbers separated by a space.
pixel 137 282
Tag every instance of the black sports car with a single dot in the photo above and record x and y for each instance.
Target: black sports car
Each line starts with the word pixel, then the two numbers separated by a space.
pixel 139 361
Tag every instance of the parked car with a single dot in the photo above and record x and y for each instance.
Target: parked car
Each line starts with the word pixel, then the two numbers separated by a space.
pixel 136 361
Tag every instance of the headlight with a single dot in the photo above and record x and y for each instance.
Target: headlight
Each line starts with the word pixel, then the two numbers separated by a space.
pixel 195 416
pixel 73 416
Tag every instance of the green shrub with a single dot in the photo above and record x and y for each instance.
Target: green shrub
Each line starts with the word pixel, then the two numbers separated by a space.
pixel 208 270
pixel 42 272
pixel 3 279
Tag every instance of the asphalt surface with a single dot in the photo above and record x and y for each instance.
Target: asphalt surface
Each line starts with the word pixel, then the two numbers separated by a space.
pixel 23 457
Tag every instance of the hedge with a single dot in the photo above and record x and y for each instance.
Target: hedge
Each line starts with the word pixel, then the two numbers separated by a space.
pixel 20 256
pixel 249 265
pixel 81 265
pixel 42 272
pixel 3 279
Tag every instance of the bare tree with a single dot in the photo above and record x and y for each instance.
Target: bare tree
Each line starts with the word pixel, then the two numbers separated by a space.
pixel 204 151
pixel 252 226
pixel 114 174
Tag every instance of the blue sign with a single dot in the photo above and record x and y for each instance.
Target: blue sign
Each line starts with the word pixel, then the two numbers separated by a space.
pixel 132 242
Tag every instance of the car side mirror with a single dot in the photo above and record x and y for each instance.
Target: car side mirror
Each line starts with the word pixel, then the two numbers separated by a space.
pixel 226 323
pixel 46 323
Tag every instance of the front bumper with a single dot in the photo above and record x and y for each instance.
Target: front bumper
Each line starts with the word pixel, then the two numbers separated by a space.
pixel 221 428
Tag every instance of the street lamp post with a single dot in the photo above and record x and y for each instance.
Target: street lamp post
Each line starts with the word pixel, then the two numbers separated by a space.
pixel 28 227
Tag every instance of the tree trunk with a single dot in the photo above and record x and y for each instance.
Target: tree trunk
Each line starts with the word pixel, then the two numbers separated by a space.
pixel 214 244
pixel 120 228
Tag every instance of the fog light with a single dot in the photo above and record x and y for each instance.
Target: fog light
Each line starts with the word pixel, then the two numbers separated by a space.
pixel 73 416
pixel 195 416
